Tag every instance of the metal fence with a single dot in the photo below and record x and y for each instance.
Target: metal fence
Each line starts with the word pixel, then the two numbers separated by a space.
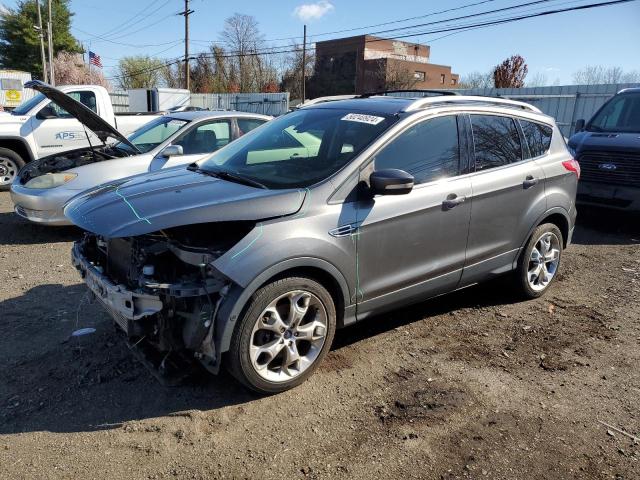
pixel 566 103
pixel 266 103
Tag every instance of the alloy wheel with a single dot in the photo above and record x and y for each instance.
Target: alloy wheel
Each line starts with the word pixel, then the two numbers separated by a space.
pixel 543 261
pixel 288 336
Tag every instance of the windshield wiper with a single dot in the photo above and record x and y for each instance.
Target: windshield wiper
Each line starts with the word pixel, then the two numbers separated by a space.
pixel 225 175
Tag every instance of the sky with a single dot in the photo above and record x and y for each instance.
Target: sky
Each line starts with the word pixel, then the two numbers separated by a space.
pixel 553 46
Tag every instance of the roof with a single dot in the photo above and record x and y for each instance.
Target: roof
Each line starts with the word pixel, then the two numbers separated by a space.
pixel 393 105
pixel 204 114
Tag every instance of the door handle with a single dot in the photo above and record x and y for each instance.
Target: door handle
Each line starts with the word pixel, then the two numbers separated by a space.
pixel 530 181
pixel 452 201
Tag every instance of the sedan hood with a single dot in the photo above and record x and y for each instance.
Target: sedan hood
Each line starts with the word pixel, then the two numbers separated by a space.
pixel 84 115
pixel 169 198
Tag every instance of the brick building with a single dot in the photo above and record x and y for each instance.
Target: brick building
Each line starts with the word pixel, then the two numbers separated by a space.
pixel 366 63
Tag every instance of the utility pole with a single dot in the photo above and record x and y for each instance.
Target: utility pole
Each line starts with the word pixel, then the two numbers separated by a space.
pixel 186 14
pixel 52 78
pixel 41 35
pixel 304 63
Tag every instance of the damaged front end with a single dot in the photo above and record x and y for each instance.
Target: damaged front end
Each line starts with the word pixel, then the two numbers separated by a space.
pixel 162 290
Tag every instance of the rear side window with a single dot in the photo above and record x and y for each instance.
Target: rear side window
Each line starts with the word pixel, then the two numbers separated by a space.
pixel 428 151
pixel 537 136
pixel 245 125
pixel 496 141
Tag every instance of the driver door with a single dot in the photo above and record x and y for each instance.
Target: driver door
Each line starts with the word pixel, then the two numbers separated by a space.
pixel 63 132
pixel 412 246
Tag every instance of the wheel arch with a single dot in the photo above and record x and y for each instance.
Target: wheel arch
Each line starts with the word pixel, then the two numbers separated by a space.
pixel 19 146
pixel 559 217
pixel 237 298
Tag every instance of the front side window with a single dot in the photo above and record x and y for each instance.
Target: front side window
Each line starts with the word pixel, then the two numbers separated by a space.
pixel 496 141
pixel 88 99
pixel 537 136
pixel 205 138
pixel 620 114
pixel 301 148
pixel 428 151
pixel 152 134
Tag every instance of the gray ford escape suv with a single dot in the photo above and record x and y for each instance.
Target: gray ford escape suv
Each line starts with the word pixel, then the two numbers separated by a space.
pixel 325 216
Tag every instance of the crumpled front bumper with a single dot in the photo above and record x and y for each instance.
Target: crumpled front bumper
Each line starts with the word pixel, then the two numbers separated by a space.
pixel 123 304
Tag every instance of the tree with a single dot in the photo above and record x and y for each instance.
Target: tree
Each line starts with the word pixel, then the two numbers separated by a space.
pixel 476 80
pixel 140 71
pixel 510 73
pixel 292 71
pixel 19 41
pixel 70 69
pixel 599 74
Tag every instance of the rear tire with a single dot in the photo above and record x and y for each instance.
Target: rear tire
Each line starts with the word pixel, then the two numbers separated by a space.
pixel 285 332
pixel 10 165
pixel 539 263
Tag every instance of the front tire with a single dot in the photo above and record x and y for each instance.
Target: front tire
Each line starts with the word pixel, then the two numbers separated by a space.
pixel 284 333
pixel 10 165
pixel 539 263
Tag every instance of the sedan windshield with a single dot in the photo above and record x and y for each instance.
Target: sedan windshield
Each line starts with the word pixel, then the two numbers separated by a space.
pixel 299 149
pixel 152 134
pixel 620 114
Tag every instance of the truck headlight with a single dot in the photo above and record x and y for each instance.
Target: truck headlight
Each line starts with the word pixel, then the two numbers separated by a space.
pixel 50 180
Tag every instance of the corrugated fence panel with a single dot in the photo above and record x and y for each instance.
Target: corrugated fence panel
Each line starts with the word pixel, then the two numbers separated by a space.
pixel 566 103
pixel 120 101
pixel 266 103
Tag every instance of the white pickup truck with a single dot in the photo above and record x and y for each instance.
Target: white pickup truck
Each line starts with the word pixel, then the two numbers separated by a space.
pixel 39 127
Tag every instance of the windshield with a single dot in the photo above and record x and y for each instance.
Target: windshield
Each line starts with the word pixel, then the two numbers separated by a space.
pixel 300 148
pixel 620 114
pixel 27 105
pixel 152 134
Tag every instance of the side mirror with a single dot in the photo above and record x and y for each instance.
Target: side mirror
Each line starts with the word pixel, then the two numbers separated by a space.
pixel 391 182
pixel 46 113
pixel 580 125
pixel 172 151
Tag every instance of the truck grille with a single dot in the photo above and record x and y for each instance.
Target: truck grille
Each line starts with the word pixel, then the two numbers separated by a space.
pixel 618 168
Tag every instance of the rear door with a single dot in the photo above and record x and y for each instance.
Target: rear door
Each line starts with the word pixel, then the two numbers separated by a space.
pixel 508 196
pixel 413 246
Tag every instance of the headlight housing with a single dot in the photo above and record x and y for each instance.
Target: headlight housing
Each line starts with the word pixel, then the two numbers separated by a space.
pixel 50 180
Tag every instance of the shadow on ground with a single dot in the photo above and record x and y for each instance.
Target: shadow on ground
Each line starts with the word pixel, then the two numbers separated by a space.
pixel 600 226
pixel 15 230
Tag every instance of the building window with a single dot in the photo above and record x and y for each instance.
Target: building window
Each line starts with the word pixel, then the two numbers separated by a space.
pixel 442 78
pixel 453 81
pixel 420 76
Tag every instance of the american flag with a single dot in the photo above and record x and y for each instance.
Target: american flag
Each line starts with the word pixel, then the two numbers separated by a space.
pixel 95 59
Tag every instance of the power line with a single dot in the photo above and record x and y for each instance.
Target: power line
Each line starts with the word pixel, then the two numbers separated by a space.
pixel 126 23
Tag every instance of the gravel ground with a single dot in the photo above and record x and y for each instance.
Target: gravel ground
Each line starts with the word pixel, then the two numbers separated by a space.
pixel 473 384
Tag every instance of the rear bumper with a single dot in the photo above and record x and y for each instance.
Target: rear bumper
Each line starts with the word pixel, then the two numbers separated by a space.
pixel 124 305
pixel 611 196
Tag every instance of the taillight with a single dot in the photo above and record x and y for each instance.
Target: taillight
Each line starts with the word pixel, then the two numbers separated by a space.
pixel 573 166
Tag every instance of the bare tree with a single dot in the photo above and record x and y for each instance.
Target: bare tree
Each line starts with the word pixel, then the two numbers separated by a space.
pixel 510 73
pixel 387 74
pixel 476 80
pixel 292 71
pixel 538 80
pixel 70 69
pixel 599 74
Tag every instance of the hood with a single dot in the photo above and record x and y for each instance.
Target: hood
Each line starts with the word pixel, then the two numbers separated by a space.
pixel 584 141
pixel 83 114
pixel 169 198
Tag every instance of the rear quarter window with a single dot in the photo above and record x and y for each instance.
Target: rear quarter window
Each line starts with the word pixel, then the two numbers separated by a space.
pixel 537 136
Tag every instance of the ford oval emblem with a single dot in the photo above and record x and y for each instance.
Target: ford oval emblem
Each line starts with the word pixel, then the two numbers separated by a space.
pixel 609 167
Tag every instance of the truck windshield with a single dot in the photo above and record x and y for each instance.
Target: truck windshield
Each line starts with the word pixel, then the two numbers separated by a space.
pixel 152 134
pixel 299 149
pixel 620 114
pixel 27 105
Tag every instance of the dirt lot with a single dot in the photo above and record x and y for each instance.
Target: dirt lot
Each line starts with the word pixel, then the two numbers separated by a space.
pixel 468 385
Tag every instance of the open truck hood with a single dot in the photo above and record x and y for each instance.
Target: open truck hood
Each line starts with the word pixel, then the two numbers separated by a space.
pixel 174 197
pixel 84 115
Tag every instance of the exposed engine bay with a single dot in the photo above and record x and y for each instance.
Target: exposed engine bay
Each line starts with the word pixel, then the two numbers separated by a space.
pixel 161 289
pixel 71 159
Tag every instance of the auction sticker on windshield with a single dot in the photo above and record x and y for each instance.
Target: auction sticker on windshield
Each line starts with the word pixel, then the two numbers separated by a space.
pixel 362 118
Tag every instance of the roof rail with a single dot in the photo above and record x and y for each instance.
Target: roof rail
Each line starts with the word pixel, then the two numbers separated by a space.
pixel 416 90
pixel 470 100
